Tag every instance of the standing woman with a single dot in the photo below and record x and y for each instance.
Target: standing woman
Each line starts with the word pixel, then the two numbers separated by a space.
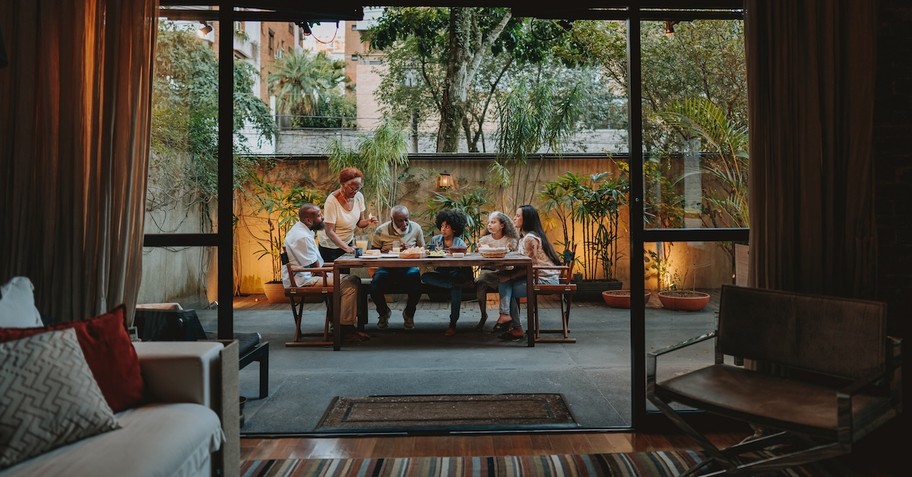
pixel 535 245
pixel 343 212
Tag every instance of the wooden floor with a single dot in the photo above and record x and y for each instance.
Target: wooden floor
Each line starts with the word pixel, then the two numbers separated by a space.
pixel 452 445
pixel 878 457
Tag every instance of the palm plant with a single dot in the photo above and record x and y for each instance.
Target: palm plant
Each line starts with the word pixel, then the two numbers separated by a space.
pixel 533 117
pixel 304 84
pixel 593 203
pixel 278 207
pixel 726 205
pixel 381 156
pixel 472 204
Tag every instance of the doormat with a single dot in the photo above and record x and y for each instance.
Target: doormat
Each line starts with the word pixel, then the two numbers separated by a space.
pixel 434 412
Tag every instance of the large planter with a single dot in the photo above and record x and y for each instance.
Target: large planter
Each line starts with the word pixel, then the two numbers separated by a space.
pixel 684 300
pixel 275 292
pixel 619 298
pixel 591 290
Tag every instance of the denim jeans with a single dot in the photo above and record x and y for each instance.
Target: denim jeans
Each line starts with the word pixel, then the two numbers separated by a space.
pixel 448 279
pixel 517 289
pixel 386 279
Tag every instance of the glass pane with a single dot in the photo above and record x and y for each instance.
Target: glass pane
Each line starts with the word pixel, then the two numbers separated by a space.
pixel 684 280
pixel 183 161
pixel 695 124
pixel 185 275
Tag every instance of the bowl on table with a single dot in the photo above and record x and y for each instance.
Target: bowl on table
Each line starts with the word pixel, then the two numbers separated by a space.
pixel 455 250
pixel 493 252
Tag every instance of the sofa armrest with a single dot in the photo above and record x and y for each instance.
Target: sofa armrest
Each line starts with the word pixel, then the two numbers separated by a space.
pixel 202 372
pixel 179 371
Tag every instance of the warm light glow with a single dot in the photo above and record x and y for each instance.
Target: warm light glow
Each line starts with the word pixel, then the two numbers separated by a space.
pixel 669 28
pixel 445 181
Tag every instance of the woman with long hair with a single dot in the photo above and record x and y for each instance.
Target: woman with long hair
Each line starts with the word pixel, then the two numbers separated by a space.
pixel 535 245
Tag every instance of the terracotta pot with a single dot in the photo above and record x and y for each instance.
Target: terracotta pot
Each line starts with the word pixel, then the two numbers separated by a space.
pixel 684 300
pixel 619 298
pixel 275 292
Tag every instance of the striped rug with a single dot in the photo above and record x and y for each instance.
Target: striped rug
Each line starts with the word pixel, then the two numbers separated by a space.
pixel 652 464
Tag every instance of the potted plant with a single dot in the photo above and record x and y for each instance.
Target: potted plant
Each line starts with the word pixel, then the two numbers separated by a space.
pixel 671 296
pixel 619 298
pixel 592 205
pixel 278 207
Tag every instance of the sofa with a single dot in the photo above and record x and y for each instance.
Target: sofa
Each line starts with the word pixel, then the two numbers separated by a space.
pixel 184 428
pixel 81 398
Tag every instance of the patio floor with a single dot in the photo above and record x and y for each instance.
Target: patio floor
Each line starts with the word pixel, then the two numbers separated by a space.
pixel 593 374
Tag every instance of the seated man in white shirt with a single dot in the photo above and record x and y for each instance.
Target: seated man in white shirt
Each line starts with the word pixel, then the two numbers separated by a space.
pixel 303 253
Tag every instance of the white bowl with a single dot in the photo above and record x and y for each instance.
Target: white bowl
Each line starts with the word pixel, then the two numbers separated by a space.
pixel 458 255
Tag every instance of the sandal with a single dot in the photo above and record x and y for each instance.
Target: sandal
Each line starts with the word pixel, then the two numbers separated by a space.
pixel 498 326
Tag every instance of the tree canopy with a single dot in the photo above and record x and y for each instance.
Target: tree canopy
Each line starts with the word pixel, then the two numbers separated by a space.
pixel 184 140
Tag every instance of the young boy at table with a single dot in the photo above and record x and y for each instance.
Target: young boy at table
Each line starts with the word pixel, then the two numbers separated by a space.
pixel 452 224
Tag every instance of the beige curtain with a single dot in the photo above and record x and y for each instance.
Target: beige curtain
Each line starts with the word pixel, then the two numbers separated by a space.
pixel 810 66
pixel 74 141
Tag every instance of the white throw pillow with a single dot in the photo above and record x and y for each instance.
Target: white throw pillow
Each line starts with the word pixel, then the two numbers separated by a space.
pixel 48 396
pixel 17 304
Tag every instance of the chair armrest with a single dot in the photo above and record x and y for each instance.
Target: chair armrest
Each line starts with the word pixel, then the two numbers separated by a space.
pixel 317 271
pixel 652 356
pixel 179 371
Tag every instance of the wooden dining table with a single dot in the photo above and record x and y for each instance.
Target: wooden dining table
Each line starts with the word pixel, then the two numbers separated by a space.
pixel 348 261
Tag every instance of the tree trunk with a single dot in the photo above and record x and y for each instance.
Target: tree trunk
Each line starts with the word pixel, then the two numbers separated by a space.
pixel 468 45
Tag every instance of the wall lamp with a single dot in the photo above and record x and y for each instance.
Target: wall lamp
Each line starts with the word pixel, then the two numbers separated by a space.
pixel 446 181
pixel 204 30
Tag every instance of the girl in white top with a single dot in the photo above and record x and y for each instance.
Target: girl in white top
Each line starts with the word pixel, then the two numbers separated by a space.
pixel 536 246
pixel 343 212
pixel 500 232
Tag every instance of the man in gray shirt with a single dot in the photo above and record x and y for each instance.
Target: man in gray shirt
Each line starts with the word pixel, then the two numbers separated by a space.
pixel 408 234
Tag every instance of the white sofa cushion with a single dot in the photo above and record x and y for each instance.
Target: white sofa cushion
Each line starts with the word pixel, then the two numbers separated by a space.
pixel 154 440
pixel 17 304
pixel 48 396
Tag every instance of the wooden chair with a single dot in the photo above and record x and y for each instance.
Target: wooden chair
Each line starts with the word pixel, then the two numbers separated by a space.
pixel 564 289
pixel 298 296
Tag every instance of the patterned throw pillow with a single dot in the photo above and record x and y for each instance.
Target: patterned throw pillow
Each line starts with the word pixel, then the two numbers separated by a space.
pixel 109 352
pixel 48 396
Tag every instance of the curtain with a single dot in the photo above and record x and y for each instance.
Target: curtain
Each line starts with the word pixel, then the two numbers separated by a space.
pixel 810 67
pixel 74 145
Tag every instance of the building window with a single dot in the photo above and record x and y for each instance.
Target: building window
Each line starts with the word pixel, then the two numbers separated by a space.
pixel 271 41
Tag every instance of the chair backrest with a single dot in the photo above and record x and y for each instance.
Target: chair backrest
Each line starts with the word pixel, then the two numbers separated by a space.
pixel 570 261
pixel 827 335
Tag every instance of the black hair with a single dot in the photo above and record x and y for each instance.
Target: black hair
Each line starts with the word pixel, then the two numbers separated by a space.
pixel 455 219
pixel 531 223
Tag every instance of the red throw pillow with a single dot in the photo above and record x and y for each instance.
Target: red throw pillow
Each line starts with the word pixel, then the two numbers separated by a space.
pixel 108 352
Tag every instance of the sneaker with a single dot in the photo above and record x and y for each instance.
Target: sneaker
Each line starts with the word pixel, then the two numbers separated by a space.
pixel 409 320
pixel 515 334
pixel 384 320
